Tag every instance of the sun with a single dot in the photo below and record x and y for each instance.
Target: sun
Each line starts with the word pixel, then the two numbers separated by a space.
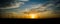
pixel 33 15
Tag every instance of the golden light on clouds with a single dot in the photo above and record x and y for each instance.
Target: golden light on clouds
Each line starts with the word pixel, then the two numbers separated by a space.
pixel 30 15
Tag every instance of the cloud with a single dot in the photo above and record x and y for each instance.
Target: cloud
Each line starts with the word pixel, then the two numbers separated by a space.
pixel 31 7
pixel 24 0
pixel 16 5
pixel 8 4
pixel 39 7
pixel 49 7
pixel 36 5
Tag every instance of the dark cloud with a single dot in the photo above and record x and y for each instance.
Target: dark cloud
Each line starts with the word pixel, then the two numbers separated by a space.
pixel 5 3
pixel 55 7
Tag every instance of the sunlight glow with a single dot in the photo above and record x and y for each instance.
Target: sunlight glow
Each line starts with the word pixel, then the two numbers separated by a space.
pixel 33 15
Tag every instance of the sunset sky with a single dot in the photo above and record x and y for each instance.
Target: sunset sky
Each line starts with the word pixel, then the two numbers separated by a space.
pixel 41 7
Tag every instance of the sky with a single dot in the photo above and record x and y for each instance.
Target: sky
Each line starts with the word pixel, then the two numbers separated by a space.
pixel 25 4
pixel 40 6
